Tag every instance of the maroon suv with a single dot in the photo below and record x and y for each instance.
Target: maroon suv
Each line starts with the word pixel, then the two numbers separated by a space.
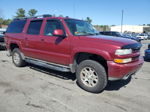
pixel 71 45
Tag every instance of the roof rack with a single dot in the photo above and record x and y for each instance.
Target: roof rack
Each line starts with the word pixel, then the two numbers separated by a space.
pixel 38 16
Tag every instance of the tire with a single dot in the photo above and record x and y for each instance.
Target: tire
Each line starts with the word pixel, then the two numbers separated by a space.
pixel 97 80
pixel 2 47
pixel 17 58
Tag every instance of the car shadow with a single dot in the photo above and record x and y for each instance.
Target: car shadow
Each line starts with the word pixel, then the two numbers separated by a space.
pixel 112 85
pixel 116 85
pixel 62 75
pixel 2 49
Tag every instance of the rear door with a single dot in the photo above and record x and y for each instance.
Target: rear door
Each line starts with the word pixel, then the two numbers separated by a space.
pixel 33 40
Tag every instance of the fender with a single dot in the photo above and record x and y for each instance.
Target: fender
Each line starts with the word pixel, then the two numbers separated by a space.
pixel 12 40
pixel 17 42
pixel 99 52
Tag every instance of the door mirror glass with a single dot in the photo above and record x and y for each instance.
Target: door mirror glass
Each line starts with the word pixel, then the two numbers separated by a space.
pixel 58 32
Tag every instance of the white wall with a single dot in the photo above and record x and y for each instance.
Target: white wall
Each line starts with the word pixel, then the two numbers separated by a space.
pixel 128 28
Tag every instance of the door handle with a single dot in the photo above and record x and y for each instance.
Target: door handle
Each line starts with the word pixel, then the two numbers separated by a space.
pixel 42 40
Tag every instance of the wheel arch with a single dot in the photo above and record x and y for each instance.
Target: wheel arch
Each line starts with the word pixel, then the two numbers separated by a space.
pixel 100 57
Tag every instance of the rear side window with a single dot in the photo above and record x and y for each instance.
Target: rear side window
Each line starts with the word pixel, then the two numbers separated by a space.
pixel 16 26
pixel 34 27
pixel 103 33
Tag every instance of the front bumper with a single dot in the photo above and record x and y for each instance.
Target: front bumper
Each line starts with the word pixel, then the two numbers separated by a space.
pixel 123 71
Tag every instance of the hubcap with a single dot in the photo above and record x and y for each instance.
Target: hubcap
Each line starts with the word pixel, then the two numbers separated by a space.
pixel 16 58
pixel 89 76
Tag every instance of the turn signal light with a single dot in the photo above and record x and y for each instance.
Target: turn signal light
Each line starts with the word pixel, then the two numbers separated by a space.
pixel 123 60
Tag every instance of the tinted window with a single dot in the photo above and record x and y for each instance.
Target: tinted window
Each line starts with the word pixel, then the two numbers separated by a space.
pixel 141 34
pixel 107 33
pixel 16 26
pixel 52 25
pixel 114 34
pixel 34 27
pixel 102 33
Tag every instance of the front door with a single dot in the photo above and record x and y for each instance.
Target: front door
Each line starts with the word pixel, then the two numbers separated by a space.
pixel 56 49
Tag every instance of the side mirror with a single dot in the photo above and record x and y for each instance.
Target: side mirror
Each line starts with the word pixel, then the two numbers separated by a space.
pixel 58 32
pixel 4 33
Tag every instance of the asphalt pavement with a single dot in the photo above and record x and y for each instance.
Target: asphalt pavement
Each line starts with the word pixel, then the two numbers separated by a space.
pixel 36 89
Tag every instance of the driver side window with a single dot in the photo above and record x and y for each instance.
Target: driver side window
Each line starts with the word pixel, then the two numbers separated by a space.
pixel 52 25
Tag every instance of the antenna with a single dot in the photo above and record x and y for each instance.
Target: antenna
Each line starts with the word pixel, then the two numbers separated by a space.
pixel 74 8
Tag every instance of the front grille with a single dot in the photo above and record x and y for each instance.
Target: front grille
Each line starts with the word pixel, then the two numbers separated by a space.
pixel 135 50
pixel 1 39
pixel 136 58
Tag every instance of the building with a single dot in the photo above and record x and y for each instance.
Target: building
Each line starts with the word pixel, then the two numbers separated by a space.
pixel 131 28
pixel 3 26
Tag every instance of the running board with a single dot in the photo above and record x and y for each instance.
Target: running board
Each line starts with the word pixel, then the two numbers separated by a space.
pixel 45 64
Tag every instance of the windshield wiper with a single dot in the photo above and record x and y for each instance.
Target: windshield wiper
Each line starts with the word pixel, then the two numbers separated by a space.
pixel 87 33
pixel 91 33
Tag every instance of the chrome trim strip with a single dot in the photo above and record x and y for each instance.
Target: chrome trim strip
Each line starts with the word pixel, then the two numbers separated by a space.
pixel 47 62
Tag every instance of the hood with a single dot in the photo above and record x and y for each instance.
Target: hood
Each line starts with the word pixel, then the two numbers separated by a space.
pixel 108 39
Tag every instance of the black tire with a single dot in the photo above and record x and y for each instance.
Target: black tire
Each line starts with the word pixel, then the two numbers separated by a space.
pixel 100 71
pixel 2 47
pixel 21 62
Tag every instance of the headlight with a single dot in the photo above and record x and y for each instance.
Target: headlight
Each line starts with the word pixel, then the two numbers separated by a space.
pixel 123 51
pixel 127 60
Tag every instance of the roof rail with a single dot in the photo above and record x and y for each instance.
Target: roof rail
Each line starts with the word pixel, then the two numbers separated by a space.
pixel 38 16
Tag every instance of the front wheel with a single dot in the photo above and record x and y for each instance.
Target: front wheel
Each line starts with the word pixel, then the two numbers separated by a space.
pixel 91 76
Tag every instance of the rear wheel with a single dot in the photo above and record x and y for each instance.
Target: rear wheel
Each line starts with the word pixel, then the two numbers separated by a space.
pixel 17 58
pixel 91 76
pixel 2 47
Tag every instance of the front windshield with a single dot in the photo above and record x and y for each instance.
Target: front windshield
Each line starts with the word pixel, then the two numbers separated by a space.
pixel 80 28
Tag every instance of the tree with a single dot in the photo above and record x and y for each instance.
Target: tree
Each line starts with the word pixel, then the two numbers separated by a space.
pixel 1 20
pixel 88 19
pixel 102 27
pixel 61 15
pixel 32 12
pixel 20 13
pixel 4 21
pixel 7 22
pixel 148 24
